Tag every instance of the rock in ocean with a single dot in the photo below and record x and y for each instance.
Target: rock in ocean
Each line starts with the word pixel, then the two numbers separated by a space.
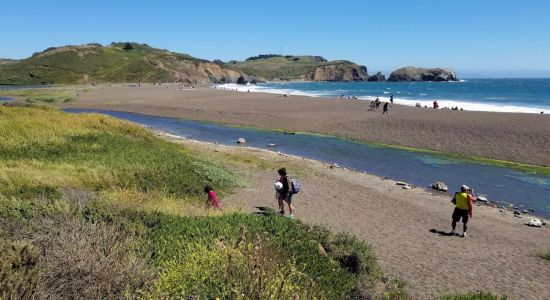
pixel 422 74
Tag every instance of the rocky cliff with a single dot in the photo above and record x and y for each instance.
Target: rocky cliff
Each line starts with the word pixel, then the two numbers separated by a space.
pixel 422 74
pixel 338 72
pixel 304 67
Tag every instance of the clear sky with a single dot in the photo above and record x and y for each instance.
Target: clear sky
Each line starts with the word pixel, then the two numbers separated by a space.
pixel 498 38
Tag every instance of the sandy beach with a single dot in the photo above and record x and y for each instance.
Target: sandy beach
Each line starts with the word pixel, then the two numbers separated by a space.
pixel 523 138
pixel 499 255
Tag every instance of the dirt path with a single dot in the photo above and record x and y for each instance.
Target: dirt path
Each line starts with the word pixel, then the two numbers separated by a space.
pixel 499 256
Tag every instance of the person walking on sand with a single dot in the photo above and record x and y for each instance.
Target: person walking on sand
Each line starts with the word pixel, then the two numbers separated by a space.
pixel 285 194
pixel 391 99
pixel 385 109
pixel 463 201
pixel 212 198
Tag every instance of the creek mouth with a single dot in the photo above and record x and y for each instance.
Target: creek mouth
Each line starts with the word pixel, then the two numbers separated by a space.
pixel 502 185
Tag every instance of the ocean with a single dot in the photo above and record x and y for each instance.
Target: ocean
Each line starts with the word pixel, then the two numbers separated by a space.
pixel 500 95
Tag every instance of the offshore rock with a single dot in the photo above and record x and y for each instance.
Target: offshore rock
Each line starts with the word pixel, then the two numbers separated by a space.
pixel 378 77
pixel 344 71
pixel 422 74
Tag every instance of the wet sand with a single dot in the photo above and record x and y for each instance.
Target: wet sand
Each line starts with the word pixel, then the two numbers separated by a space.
pixel 523 138
pixel 499 255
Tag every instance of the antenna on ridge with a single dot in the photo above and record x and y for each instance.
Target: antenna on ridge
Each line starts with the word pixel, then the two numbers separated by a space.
pixel 281 50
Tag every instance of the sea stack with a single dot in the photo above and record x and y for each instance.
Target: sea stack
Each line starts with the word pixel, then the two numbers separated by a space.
pixel 422 74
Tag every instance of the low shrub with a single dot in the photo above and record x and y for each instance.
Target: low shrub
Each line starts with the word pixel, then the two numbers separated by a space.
pixel 18 270
pixel 544 255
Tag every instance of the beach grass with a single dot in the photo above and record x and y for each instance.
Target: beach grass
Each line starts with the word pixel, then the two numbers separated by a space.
pixel 96 207
pixel 46 95
pixel 471 296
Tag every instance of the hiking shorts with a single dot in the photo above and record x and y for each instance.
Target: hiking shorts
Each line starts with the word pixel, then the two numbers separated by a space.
pixel 460 214
pixel 287 199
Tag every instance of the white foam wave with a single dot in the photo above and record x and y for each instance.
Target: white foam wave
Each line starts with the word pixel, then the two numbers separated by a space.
pixel 443 103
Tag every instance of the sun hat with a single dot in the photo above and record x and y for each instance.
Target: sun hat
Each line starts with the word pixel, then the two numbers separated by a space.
pixel 464 188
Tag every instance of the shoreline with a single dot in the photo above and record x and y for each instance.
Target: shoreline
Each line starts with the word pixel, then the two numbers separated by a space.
pixel 398 223
pixel 512 137
pixel 469 105
pixel 178 139
pixel 536 169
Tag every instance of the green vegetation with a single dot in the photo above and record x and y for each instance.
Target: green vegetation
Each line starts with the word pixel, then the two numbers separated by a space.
pixel 6 61
pixel 49 95
pixel 288 67
pixel 545 255
pixel 471 296
pixel 118 62
pixel 95 207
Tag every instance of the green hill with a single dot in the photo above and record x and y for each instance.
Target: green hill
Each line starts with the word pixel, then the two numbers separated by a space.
pixel 118 62
pixel 290 67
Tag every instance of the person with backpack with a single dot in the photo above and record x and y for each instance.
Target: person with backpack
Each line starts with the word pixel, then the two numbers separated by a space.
pixel 285 193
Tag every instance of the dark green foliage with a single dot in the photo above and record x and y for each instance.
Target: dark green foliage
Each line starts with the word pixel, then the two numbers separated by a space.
pixel 128 46
pixel 263 56
pixel 335 279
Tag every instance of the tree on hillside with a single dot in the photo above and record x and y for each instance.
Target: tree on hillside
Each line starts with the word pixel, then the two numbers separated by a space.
pixel 128 46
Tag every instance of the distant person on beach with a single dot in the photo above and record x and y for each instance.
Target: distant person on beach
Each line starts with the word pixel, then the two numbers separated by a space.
pixel 391 99
pixel 385 109
pixel 436 105
pixel 212 198
pixel 285 193
pixel 463 201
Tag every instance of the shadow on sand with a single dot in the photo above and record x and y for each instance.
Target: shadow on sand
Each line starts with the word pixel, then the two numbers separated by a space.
pixel 441 232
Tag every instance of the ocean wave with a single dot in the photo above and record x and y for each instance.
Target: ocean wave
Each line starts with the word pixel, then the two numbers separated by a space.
pixel 443 103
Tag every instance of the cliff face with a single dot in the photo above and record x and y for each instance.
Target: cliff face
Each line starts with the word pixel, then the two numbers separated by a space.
pixel 338 72
pixel 304 67
pixel 201 72
pixel 422 74
pixel 118 62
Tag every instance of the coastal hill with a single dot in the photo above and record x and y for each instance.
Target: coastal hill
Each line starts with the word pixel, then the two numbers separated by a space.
pixel 117 62
pixel 308 68
pixel 422 74
pixel 6 61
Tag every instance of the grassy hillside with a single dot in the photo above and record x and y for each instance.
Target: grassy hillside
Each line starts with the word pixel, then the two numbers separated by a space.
pixel 284 67
pixel 95 207
pixel 118 62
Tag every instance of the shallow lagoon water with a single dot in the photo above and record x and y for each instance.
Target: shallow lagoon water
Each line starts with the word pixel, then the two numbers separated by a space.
pixel 502 184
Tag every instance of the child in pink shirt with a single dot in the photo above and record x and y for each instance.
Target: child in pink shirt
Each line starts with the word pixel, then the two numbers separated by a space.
pixel 212 199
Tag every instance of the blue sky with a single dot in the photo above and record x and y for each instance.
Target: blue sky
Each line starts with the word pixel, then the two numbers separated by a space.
pixel 475 37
